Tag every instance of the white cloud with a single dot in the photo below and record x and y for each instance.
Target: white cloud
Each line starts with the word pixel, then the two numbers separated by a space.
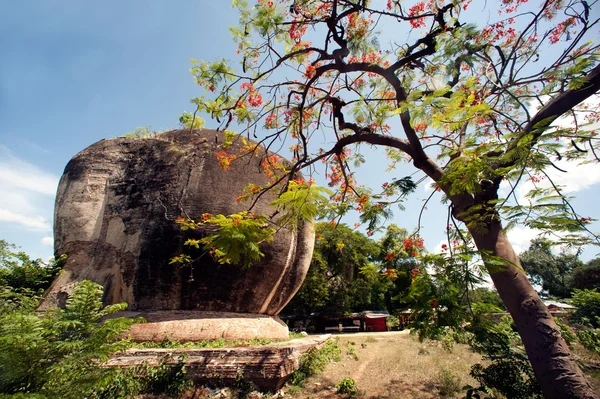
pixel 27 193
pixel 438 248
pixel 20 175
pixel 578 176
pixel 520 238
pixel 34 222
pixel 428 185
pixel 47 241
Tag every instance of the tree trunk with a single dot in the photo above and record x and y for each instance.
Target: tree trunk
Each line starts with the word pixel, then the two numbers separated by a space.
pixel 556 371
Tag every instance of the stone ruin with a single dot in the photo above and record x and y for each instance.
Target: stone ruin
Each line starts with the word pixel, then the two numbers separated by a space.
pixel 115 214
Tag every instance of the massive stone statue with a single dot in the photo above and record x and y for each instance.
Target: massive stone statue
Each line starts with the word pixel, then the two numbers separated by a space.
pixel 115 214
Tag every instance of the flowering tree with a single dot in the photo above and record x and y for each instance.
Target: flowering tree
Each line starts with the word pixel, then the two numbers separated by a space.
pixel 469 101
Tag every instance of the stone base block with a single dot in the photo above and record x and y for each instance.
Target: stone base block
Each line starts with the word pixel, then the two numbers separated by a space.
pixel 267 367
pixel 197 326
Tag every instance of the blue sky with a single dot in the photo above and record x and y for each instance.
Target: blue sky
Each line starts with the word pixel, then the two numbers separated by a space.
pixel 73 73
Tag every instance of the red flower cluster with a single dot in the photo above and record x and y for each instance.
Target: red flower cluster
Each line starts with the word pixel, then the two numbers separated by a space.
pixel 296 31
pixel 415 10
pixel 224 159
pixel 413 243
pixel 361 203
pixel 420 127
pixel 271 121
pixel 254 97
pixel 561 28
pixel 391 274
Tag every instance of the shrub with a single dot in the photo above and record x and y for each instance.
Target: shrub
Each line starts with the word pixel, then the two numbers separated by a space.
pixel 448 342
pixel 447 382
pixel 566 332
pixel 509 370
pixel 314 361
pixel 57 354
pixel 587 303
pixel 164 379
pixel 347 386
pixel 590 339
pixel 351 350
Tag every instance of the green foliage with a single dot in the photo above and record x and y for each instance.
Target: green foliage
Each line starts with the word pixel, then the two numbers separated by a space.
pixel 587 303
pixel 19 271
pixel 447 382
pixel 552 272
pixel 241 386
pixel 313 361
pixel 590 339
pixel 236 241
pixel 192 121
pixel 347 386
pixel 489 296
pixel 142 132
pixel 342 277
pixel 237 238
pixel 57 354
pixel 435 305
pixel 167 378
pixel 567 332
pixel 213 343
pixel 301 202
pixel 351 350
pixel 587 276
pixel 508 370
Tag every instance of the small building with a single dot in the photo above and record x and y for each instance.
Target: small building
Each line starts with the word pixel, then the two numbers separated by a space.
pixel 555 306
pixel 356 322
pixel 375 321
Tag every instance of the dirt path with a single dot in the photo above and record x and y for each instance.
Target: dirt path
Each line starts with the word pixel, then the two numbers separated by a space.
pixel 391 366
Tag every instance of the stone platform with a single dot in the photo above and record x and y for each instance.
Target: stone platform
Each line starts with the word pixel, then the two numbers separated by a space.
pixel 267 367
pixel 186 326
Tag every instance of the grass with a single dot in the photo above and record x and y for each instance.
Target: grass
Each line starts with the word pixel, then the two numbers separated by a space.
pixel 394 365
pixel 213 343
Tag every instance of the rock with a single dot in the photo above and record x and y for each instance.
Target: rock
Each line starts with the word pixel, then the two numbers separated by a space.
pixel 196 326
pixel 115 214
pixel 266 367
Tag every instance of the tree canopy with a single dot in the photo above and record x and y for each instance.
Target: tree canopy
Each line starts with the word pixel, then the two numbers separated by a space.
pixel 338 281
pixel 587 276
pixel 471 102
pixel 550 271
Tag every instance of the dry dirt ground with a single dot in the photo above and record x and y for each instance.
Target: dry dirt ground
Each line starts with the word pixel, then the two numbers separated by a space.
pixel 392 365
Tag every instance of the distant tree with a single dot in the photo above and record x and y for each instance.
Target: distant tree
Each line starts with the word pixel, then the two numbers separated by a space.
pixel 399 257
pixel 19 271
pixel 550 271
pixel 587 276
pixel 336 283
pixel 487 296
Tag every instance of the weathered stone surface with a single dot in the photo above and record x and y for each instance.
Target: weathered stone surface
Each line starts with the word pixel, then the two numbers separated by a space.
pixel 115 210
pixel 268 367
pixel 184 325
